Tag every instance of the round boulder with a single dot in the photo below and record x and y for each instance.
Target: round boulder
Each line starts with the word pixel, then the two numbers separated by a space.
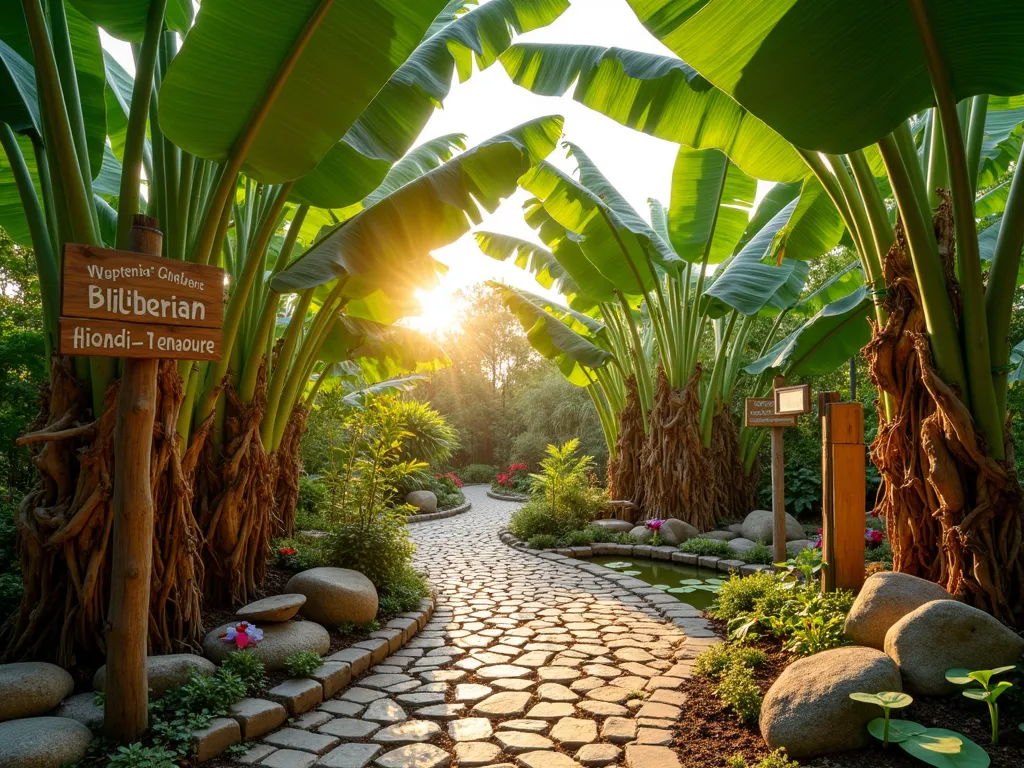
pixel 794 548
pixel 32 688
pixel 946 634
pixel 43 742
pixel 884 599
pixel 757 526
pixel 83 708
pixel 642 534
pixel 720 535
pixel 335 595
pixel 164 672
pixel 279 642
pixel 273 608
pixel 739 546
pixel 424 501
pixel 674 532
pixel 615 526
pixel 808 709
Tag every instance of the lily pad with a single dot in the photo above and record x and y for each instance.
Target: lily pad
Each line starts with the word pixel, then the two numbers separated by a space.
pixel 681 590
pixel 946 749
pixel 631 573
pixel 618 564
pixel 690 582
pixel 899 730
pixel 664 587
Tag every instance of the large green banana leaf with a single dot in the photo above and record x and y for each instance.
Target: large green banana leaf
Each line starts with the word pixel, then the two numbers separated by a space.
pixel 529 257
pixel 390 124
pixel 577 321
pixel 803 229
pixel 987 245
pixel 841 284
pixel 824 342
pixel 836 75
pixel 388 244
pixel 1001 143
pixel 357 397
pixel 710 194
pixel 554 340
pixel 778 197
pixel 12 214
pixel 382 351
pixel 126 19
pixel 745 284
pixel 225 73
pixel 1017 358
pixel 19 107
pixel 658 95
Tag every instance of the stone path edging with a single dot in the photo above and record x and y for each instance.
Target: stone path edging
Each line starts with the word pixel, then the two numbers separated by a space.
pixel 439 515
pixel 253 718
pixel 500 497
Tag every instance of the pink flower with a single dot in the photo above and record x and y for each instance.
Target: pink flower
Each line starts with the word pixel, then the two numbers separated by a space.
pixel 243 635
pixel 287 551
pixel 654 525
pixel 874 538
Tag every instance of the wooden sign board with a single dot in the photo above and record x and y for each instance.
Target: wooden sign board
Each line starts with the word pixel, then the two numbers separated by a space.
pixel 760 412
pixel 126 304
pixel 793 400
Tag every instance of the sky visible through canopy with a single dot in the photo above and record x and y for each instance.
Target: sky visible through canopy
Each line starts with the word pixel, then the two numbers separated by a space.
pixel 640 166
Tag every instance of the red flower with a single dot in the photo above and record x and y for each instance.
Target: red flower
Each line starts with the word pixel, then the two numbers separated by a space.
pixel 517 468
pixel 287 551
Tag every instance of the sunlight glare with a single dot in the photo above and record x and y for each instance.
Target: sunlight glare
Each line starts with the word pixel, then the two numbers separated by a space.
pixel 440 312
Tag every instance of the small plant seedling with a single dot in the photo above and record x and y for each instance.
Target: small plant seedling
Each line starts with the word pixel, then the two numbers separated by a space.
pixel 882 728
pixel 988 693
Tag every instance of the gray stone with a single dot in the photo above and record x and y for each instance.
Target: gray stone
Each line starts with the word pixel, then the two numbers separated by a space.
pixel 273 608
pixel 597 755
pixel 796 546
pixel 348 729
pixel 410 732
pixel 505 704
pixel 289 758
pixel 254 754
pixel 884 599
pixel 545 759
pixel 31 688
pixel 332 676
pixel 470 729
pixel 257 716
pixel 279 642
pixel 757 526
pixel 210 741
pixel 298 695
pixel 674 532
pixel 573 732
pixel 946 634
pixel 475 754
pixel 42 742
pixel 618 730
pixel 719 535
pixel 384 711
pixel 83 708
pixel 296 738
pixel 616 526
pixel 641 534
pixel 643 756
pixel 415 756
pixel 515 742
pixel 442 711
pixel 357 658
pixel 808 709
pixel 335 595
pixel 350 756
pixel 739 546
pixel 424 501
pixel 165 672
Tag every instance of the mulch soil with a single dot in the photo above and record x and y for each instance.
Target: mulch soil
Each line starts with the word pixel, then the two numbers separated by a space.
pixel 709 733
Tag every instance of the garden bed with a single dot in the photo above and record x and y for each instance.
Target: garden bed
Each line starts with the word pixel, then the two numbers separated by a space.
pixel 441 514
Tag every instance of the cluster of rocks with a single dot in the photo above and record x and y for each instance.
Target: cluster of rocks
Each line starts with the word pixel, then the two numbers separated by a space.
pixel 908 633
pixel 756 528
pixel 322 596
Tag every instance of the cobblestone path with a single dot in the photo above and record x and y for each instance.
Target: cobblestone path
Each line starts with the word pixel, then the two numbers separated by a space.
pixel 526 662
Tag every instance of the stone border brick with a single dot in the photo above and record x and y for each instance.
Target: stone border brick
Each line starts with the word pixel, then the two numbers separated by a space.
pixel 412 519
pixel 501 497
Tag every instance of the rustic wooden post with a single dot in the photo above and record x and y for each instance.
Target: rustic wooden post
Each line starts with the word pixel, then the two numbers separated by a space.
pixel 127 691
pixel 828 574
pixel 846 430
pixel 779 553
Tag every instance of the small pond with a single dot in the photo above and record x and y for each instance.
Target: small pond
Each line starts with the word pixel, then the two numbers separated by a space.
pixel 696 586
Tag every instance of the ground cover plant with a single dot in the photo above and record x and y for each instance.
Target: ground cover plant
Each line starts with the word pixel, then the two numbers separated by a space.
pixel 477 473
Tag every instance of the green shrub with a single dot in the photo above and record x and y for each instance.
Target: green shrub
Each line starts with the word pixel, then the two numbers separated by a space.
pixel 736 761
pixel 249 669
pixel 718 658
pixel 212 693
pixel 623 537
pixel 381 551
pixel 880 554
pixel 10 569
pixel 477 473
pixel 600 534
pixel 739 594
pixel 581 538
pixel 542 541
pixel 303 663
pixel 299 553
pixel 738 691
pixel 403 593
pixel 311 508
pixel 138 756
pixel 759 554
pixel 777 759
pixel 349 628
pixel 705 547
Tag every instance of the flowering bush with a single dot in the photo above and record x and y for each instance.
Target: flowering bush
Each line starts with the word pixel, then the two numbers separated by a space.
pixel 516 480
pixel 451 477
pixel 287 551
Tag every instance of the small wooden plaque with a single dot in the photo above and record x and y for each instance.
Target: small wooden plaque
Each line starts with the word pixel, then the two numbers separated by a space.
pixel 760 412
pixel 112 338
pixel 131 287
pixel 793 400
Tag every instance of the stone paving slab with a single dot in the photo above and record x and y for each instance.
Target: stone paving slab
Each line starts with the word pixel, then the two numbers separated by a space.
pixel 529 660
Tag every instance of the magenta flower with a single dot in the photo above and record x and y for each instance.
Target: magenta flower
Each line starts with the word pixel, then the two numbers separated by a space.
pixel 654 525
pixel 243 635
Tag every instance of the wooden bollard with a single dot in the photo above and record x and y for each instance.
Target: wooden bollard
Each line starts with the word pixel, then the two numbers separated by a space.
pixel 844 537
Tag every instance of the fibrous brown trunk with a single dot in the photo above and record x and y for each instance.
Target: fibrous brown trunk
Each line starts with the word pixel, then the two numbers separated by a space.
pixel 682 477
pixel 236 509
pixel 954 514
pixel 624 480
pixel 289 467
pixel 64 528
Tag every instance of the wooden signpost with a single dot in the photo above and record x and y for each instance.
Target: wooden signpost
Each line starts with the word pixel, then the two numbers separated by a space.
pixel 843 493
pixel 778 412
pixel 139 306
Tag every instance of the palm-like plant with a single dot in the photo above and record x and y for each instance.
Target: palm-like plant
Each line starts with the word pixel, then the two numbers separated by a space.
pixel 255 126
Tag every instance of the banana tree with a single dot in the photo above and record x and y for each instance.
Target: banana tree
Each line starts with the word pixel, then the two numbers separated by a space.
pixel 653 305
pixel 234 138
pixel 824 76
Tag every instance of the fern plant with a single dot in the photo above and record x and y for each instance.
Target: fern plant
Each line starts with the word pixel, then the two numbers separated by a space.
pixel 562 473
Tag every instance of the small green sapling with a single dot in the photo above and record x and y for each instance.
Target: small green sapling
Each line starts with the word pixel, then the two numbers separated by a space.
pixel 882 727
pixel 988 693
